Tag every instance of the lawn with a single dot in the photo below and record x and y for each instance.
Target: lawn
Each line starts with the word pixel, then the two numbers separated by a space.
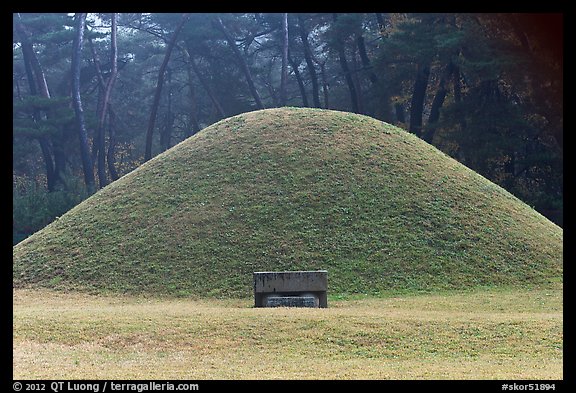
pixel 478 334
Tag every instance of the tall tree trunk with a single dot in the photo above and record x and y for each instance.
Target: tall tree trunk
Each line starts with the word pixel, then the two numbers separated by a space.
pixel 272 92
pixel 192 95
pixel 104 109
pixel 284 72
pixel 159 84
pixel 460 115
pixel 357 84
pixel 456 76
pixel 309 61
pixel 111 81
pixel 324 85
pixel 34 71
pixel 41 83
pixel 299 80
pixel 418 96
pixel 166 131
pixel 101 89
pixel 98 139
pixel 111 155
pixel 87 165
pixel 27 54
pixel 437 103
pixel 60 158
pixel 383 109
pixel 48 164
pixel 346 70
pixel 242 61
pixel 168 123
pixel 365 60
pixel 349 81
pixel 35 83
pixel 43 141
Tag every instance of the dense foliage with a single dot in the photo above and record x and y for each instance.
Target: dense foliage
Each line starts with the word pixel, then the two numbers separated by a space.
pixel 96 95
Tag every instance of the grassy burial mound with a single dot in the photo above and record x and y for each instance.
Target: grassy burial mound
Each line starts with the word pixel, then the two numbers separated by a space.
pixel 294 189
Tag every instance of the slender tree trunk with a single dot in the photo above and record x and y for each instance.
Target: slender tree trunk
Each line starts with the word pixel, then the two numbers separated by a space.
pixel 95 137
pixel 111 155
pixel 60 158
pixel 18 91
pixel 418 96
pixel 349 81
pixel 96 60
pixel 309 61
pixel 192 95
pixel 346 70
pixel 242 61
pixel 460 115
pixel 383 109
pixel 168 123
pixel 365 60
pixel 357 84
pixel 87 165
pixel 437 103
pixel 43 141
pixel 27 54
pixel 272 92
pixel 53 157
pixel 34 71
pixel 32 67
pixel 166 131
pixel 299 80
pixel 284 73
pixel 40 77
pixel 113 75
pixel 48 164
pixel 159 84
pixel 458 97
pixel 100 78
pixel 96 140
pixel 104 109
pixel 324 85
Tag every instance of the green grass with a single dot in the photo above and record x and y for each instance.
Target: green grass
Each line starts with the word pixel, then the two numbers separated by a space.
pixel 502 333
pixel 294 189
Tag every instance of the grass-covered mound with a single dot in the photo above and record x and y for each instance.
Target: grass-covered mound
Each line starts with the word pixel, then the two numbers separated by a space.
pixel 294 189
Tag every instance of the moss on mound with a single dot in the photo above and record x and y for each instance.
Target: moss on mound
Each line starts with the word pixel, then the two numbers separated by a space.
pixel 294 189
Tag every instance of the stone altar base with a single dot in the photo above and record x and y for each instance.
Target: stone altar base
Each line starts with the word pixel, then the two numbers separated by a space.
pixel 291 289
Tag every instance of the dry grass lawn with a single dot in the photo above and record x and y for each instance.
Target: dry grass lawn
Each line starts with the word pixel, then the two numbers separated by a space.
pixel 482 334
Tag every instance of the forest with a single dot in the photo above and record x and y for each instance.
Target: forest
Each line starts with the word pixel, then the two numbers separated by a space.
pixel 95 95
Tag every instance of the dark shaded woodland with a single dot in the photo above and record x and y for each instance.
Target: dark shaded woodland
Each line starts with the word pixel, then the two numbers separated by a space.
pixel 96 95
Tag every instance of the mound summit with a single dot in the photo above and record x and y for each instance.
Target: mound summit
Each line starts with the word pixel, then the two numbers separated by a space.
pixel 294 189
